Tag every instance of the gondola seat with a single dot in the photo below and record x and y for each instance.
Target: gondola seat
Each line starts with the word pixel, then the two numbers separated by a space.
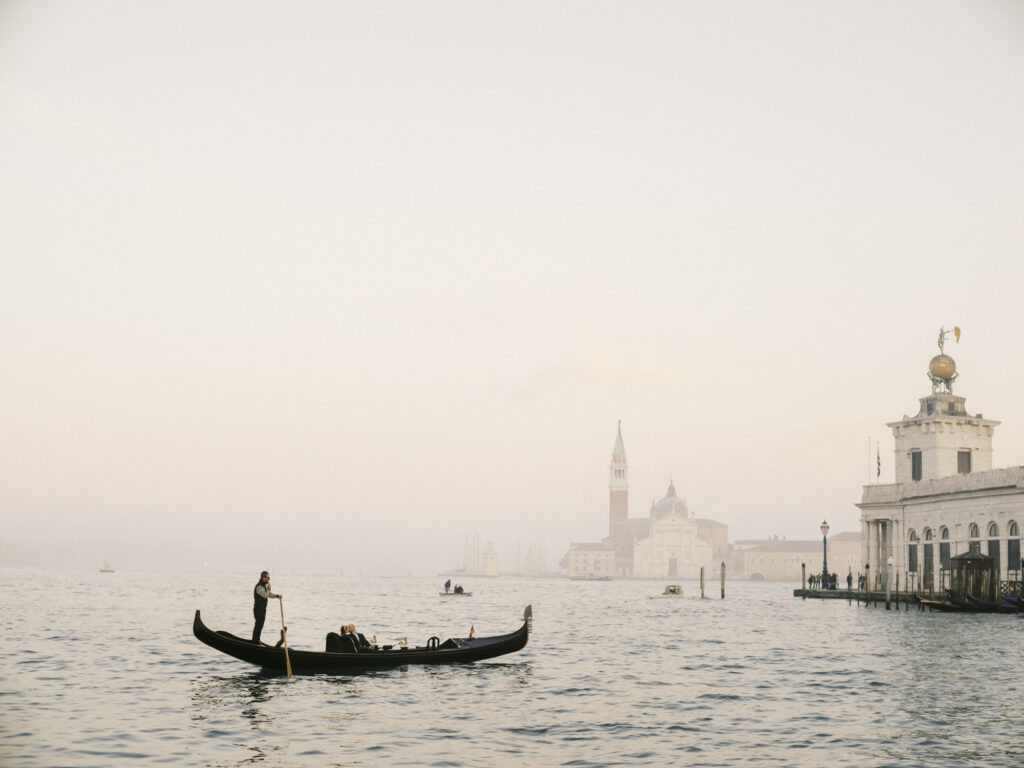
pixel 341 643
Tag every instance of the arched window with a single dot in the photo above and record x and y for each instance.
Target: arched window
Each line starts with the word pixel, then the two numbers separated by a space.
pixel 973 531
pixel 912 552
pixel 913 535
pixel 928 560
pixel 944 561
pixel 974 535
pixel 993 546
pixel 1013 561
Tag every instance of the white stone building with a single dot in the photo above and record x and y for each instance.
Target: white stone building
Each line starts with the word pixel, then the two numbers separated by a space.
pixel 669 543
pixel 947 498
pixel 674 547
pixel 592 561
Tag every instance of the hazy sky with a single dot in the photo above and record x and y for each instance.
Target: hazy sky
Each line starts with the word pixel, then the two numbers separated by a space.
pixel 329 284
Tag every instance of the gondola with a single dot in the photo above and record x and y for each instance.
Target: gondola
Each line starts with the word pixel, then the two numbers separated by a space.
pixel 453 650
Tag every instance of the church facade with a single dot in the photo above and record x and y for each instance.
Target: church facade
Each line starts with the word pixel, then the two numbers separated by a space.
pixel 947 498
pixel 668 543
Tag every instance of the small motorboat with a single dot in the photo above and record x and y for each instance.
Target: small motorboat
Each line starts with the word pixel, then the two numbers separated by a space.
pixel 106 568
pixel 672 590
pixel 453 650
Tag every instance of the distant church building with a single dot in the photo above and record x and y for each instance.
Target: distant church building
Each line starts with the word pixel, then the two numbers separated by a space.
pixel 668 543
pixel 947 499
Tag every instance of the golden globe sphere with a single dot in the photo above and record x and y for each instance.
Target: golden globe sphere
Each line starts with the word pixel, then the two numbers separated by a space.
pixel 942 367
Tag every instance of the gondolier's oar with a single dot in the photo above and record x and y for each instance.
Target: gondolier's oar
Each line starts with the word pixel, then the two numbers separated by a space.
pixel 284 636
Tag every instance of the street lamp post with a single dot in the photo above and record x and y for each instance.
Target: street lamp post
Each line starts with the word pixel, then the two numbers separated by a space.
pixel 824 554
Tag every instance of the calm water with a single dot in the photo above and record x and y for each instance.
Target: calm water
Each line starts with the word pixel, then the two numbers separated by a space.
pixel 102 670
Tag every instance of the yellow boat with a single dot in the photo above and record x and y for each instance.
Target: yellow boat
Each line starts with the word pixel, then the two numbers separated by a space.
pixel 672 590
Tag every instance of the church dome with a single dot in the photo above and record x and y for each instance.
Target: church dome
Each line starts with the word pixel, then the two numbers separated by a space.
pixel 670 504
pixel 942 367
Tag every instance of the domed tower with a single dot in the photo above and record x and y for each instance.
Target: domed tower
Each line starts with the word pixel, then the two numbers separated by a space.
pixel 618 486
pixel 942 439
pixel 670 505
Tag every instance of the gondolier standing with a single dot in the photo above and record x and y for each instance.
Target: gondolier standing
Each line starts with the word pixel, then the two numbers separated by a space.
pixel 260 595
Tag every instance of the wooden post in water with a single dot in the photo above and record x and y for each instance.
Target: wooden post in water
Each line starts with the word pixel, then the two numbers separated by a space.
pixel 723 579
pixel 803 580
pixel 702 582
pixel 906 591
pixel 867 583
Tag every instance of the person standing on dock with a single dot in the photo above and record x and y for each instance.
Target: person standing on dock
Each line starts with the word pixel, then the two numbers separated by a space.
pixel 261 593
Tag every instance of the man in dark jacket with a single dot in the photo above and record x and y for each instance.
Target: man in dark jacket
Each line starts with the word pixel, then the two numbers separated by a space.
pixel 260 593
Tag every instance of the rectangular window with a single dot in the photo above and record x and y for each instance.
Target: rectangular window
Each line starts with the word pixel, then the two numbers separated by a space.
pixel 912 558
pixel 963 462
pixel 1013 554
pixel 915 465
pixel 944 555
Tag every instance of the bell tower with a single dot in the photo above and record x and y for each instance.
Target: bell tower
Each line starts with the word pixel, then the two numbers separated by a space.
pixel 943 439
pixel 618 486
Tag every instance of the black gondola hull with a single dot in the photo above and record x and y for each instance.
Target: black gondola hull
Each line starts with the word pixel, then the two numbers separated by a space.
pixel 312 662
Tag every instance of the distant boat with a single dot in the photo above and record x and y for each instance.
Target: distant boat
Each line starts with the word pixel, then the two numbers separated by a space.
pixel 590 578
pixel 672 590
pixel 106 568
pixel 455 594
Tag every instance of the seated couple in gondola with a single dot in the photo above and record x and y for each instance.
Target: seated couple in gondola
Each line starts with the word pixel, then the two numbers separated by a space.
pixel 347 640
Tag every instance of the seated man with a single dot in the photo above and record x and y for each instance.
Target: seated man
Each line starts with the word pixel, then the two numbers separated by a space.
pixel 360 641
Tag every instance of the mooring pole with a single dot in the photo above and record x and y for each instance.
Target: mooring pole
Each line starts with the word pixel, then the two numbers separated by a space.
pixel 702 582
pixel 723 579
pixel 867 583
pixel 803 580
pixel 888 584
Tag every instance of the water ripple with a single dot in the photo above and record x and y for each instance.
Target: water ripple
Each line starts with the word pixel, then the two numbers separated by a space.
pixel 759 679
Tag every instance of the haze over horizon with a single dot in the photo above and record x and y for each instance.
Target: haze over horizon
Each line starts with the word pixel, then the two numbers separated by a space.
pixel 332 285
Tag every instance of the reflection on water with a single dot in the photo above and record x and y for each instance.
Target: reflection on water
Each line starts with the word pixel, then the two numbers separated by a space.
pixel 609 678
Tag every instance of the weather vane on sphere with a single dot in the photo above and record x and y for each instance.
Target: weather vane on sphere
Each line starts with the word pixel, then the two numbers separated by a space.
pixel 942 368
